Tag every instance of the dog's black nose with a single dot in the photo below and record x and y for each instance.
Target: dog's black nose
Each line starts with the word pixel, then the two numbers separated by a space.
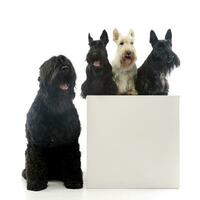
pixel 128 53
pixel 95 55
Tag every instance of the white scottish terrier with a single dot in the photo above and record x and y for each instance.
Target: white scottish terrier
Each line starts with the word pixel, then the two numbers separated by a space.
pixel 124 67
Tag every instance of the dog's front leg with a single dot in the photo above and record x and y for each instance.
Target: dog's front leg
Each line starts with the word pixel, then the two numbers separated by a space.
pixel 131 88
pixel 71 167
pixel 36 169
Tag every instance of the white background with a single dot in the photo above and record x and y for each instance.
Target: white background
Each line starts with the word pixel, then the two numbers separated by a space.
pixel 33 31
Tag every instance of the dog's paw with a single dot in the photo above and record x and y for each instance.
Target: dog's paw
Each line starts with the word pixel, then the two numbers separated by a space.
pixel 34 186
pixel 132 92
pixel 135 92
pixel 73 184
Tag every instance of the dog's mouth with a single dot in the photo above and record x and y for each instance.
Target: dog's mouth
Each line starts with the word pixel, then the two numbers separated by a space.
pixel 97 63
pixel 64 87
pixel 128 59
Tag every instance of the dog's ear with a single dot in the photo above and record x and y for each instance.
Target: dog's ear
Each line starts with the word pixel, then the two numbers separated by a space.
pixel 90 39
pixel 115 35
pixel 131 33
pixel 168 35
pixel 104 37
pixel 153 38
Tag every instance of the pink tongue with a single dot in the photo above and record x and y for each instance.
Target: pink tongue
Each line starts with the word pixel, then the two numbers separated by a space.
pixel 64 87
pixel 128 61
pixel 96 63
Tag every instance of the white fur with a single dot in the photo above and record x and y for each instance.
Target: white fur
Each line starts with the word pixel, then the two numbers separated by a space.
pixel 124 76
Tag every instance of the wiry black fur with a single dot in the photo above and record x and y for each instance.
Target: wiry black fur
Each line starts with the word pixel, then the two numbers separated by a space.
pixel 53 129
pixel 151 78
pixel 99 80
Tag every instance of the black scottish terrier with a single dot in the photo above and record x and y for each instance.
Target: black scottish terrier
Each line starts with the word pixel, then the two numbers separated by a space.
pixel 53 129
pixel 99 79
pixel 151 78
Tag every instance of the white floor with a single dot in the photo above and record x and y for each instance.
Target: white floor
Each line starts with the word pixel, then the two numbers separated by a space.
pixel 57 191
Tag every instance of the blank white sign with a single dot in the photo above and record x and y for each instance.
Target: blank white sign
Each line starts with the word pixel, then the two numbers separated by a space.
pixel 132 142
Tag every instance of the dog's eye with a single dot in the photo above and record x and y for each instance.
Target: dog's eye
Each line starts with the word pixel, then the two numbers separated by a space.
pixel 131 43
pixel 64 67
pixel 121 43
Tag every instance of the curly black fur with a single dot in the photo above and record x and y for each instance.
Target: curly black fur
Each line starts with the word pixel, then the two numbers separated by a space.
pixel 151 78
pixel 53 129
pixel 99 71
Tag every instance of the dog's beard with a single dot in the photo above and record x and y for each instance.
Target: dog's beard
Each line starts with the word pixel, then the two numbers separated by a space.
pixel 97 63
pixel 176 61
pixel 59 88
pixel 60 81
pixel 169 64
pixel 62 87
pixel 98 67
pixel 127 60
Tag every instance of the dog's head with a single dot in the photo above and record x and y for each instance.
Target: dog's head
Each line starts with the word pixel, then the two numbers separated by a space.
pixel 125 48
pixel 162 52
pixel 97 56
pixel 57 75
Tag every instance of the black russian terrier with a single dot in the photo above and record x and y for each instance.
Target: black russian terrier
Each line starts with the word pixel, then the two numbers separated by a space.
pixel 99 79
pixel 151 78
pixel 53 129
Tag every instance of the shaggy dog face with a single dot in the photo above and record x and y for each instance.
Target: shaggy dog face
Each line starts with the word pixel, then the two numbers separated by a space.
pixel 57 76
pixel 125 50
pixel 99 71
pixel 161 61
pixel 162 53
pixel 124 67
pixel 53 129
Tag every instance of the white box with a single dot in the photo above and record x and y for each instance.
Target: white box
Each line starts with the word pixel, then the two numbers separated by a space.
pixel 132 142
